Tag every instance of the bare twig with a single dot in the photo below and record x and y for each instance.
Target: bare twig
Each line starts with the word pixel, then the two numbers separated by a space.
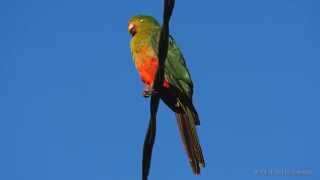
pixel 155 98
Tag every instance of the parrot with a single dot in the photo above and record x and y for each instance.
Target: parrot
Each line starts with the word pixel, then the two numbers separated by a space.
pixel 177 85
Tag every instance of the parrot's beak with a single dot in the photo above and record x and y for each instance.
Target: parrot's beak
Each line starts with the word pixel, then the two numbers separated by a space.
pixel 132 29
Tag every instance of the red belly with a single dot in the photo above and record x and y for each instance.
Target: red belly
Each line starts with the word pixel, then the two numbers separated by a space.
pixel 148 70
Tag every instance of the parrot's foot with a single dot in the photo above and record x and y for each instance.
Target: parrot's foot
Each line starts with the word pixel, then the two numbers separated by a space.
pixel 149 92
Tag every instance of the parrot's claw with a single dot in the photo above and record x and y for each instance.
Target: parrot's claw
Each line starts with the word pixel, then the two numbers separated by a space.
pixel 149 92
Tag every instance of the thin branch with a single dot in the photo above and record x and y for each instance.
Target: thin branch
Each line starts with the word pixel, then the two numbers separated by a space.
pixel 155 98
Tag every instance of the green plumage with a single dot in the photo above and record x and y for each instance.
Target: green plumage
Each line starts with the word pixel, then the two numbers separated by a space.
pixel 176 71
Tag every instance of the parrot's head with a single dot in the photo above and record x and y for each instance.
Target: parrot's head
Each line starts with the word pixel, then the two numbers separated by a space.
pixel 142 23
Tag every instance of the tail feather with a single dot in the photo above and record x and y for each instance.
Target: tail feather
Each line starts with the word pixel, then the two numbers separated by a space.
pixel 186 119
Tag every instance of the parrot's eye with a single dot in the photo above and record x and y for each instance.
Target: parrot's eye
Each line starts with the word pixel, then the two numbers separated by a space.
pixel 141 20
pixel 132 29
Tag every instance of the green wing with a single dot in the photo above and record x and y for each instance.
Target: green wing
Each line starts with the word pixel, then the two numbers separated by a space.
pixel 177 74
pixel 176 71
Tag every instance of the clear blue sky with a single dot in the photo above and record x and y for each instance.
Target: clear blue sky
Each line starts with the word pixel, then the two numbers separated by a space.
pixel 71 105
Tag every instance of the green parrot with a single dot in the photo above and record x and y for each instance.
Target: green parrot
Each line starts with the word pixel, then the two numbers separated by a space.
pixel 177 86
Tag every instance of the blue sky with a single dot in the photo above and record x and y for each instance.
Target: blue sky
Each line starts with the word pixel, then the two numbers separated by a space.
pixel 71 105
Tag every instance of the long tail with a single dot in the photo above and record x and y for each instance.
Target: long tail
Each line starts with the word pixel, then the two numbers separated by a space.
pixel 187 119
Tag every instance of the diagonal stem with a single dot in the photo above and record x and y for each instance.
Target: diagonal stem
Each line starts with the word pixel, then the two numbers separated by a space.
pixel 155 98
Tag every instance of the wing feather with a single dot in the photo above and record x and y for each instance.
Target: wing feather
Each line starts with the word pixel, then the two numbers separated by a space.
pixel 176 71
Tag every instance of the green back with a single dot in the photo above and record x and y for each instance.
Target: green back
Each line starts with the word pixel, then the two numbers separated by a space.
pixel 176 71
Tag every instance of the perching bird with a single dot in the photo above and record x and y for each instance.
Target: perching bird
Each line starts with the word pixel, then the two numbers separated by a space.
pixel 178 86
